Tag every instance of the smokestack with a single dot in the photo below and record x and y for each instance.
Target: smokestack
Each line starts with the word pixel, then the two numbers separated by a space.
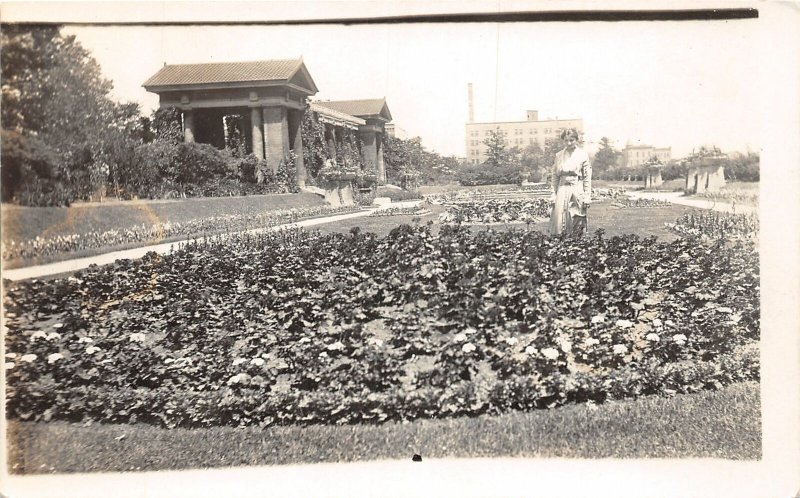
pixel 471 109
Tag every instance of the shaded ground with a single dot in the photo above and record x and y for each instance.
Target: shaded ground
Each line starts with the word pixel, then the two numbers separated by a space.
pixel 711 424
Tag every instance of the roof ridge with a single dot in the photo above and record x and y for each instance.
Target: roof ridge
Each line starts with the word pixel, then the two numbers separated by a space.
pixel 300 60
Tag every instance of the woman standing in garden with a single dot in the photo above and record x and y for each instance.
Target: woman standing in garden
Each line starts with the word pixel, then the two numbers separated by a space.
pixel 572 184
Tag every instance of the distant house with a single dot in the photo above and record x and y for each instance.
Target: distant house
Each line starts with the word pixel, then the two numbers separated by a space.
pixel 637 155
pixel 395 131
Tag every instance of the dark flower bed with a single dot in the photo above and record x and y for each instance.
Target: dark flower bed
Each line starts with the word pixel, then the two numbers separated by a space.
pixel 296 328
pixel 497 211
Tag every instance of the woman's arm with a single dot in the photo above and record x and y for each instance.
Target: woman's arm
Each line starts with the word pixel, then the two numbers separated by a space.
pixel 554 173
pixel 586 168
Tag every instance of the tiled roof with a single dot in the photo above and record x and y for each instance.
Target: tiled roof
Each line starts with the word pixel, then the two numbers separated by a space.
pixel 336 116
pixel 224 72
pixel 360 108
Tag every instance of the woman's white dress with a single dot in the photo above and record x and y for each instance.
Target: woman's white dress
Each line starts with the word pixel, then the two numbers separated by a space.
pixel 572 183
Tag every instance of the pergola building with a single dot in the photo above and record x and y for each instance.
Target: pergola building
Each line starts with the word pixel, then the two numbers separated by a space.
pixel 268 99
pixel 373 115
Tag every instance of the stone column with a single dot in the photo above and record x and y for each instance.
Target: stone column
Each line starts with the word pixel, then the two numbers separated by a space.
pixel 276 135
pixel 369 150
pixel 188 125
pixel 330 139
pixel 295 121
pixel 257 132
pixel 381 170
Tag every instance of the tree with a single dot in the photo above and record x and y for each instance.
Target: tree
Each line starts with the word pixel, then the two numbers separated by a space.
pixel 606 158
pixel 497 153
pixel 743 167
pixel 53 89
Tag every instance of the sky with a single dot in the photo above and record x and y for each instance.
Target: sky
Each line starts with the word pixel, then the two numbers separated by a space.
pixel 666 84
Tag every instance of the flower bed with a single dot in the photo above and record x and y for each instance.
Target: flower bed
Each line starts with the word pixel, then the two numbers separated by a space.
pixel 497 211
pixel 608 194
pixel 717 225
pixel 629 202
pixel 154 233
pixel 733 196
pixel 292 327
pixel 401 211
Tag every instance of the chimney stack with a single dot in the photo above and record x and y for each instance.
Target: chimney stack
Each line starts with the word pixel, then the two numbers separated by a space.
pixel 469 101
pixel 533 115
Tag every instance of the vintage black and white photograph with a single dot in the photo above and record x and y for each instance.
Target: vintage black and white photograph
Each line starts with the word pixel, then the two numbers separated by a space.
pixel 439 245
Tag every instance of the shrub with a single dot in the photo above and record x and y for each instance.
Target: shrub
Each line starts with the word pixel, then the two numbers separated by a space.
pixel 480 174
pixel 29 173
pixel 398 195
pixel 197 163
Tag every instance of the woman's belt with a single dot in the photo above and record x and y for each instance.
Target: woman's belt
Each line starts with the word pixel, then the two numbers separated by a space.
pixel 569 180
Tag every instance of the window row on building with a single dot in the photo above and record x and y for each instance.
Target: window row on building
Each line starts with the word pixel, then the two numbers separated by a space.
pixel 517 133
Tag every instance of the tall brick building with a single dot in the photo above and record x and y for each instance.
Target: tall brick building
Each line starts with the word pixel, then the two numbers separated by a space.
pixel 517 133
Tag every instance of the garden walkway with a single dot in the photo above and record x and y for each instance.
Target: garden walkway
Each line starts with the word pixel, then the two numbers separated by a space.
pixel 72 265
pixel 678 198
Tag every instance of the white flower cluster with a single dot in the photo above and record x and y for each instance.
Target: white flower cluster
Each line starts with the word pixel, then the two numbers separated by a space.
pixel 241 378
pixel 550 353
pixel 336 346
pixel 54 358
pixel 41 335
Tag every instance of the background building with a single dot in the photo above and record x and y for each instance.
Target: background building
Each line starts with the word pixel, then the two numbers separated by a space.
pixel 395 131
pixel 518 133
pixel 636 155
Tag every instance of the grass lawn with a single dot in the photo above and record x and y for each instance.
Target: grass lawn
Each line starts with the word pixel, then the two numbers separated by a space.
pixel 711 424
pixel 644 222
pixel 25 223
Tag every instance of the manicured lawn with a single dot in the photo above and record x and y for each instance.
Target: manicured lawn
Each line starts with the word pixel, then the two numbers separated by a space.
pixel 644 222
pixel 711 424
pixel 26 223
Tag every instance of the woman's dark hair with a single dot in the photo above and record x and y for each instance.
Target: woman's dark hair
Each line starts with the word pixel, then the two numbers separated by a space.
pixel 570 131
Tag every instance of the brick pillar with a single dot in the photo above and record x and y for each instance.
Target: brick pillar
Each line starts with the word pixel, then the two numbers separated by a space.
pixel 188 125
pixel 276 135
pixel 369 150
pixel 257 133
pixel 381 170
pixel 295 121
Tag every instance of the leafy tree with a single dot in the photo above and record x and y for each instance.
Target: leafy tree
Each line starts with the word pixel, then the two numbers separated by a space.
pixel 743 167
pixel 166 125
pixel 401 157
pixel 607 157
pixel 53 89
pixel 497 153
